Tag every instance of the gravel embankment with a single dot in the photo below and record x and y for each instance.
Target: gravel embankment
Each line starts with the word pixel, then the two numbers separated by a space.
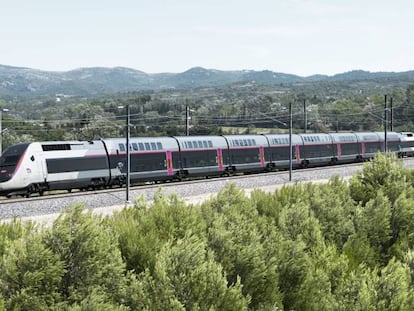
pixel 46 209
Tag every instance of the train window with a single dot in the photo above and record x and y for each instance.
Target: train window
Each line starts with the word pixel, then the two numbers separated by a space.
pixel 135 146
pixel 200 144
pixel 205 145
pixel 122 147
pixel 153 146
pixel 190 145
pixel 56 147
pixel 254 142
pixel 141 146
pixel 185 145
pixel 210 144
pixel 159 145
pixel 194 144
pixel 147 146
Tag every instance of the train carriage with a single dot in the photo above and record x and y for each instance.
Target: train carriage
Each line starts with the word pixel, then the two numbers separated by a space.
pixel 317 149
pixel 151 158
pixel 41 166
pixel 277 155
pixel 202 155
pixel 77 164
pixel 346 148
pixel 407 144
pixel 369 144
pixel 246 152
pixel 393 141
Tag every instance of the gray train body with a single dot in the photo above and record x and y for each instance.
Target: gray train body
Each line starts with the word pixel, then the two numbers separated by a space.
pixel 65 165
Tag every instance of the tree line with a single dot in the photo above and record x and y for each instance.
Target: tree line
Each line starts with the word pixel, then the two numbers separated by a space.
pixel 241 108
pixel 334 246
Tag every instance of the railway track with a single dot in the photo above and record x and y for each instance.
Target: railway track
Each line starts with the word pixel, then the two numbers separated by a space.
pixel 108 198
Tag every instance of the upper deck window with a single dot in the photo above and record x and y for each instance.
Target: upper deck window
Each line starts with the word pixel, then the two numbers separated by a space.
pixel 56 147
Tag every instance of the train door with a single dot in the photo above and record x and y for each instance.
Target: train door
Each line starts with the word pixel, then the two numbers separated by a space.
pixel 220 159
pixel 169 163
pixel 39 162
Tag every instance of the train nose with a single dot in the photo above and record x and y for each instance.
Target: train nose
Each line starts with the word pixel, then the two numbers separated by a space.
pixel 5 175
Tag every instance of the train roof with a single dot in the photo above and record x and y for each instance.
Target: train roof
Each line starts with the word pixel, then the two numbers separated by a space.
pixel 367 136
pixel 390 135
pixel 344 137
pixel 246 140
pixel 316 138
pixel 201 142
pixel 283 139
pixel 142 144
pixel 68 145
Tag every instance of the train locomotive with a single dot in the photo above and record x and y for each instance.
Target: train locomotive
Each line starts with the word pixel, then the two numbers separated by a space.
pixel 65 165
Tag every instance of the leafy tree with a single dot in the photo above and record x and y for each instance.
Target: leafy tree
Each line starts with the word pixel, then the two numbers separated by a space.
pixel 90 255
pixel 332 205
pixel 375 222
pixel 187 277
pixel 385 173
pixel 236 236
pixel 402 224
pixel 393 287
pixel 143 230
pixel 292 268
pixel 31 275
pixel 357 290
pixel 12 231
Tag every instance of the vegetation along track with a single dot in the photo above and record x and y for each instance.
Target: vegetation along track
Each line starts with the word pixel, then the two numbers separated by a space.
pixel 55 203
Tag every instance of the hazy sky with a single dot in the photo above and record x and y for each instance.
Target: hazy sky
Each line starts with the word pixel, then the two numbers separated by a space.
pixel 302 37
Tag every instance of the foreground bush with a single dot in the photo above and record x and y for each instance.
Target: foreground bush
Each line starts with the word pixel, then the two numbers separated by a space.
pixel 333 246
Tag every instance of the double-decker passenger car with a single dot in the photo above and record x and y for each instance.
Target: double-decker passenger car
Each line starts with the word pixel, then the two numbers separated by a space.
pixel 202 155
pixel 317 149
pixel 277 154
pixel 246 152
pixel 151 158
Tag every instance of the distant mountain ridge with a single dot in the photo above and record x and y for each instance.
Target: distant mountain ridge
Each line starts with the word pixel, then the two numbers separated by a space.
pixel 20 81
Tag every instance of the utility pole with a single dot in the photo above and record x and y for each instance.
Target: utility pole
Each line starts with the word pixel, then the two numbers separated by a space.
pixel 290 141
pixel 305 117
pixel 128 155
pixel 391 116
pixel 1 128
pixel 385 123
pixel 187 120
pixel 1 131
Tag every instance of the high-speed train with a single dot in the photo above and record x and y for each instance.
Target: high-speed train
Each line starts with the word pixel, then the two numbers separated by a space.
pixel 65 165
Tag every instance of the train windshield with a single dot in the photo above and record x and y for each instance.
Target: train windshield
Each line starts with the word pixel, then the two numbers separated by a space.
pixel 9 160
pixel 11 155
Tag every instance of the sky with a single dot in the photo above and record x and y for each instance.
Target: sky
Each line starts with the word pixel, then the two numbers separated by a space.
pixel 302 37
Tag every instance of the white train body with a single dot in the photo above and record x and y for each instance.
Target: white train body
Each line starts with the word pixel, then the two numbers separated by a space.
pixel 41 166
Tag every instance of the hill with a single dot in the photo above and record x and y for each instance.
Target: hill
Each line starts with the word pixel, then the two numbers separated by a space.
pixel 20 81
